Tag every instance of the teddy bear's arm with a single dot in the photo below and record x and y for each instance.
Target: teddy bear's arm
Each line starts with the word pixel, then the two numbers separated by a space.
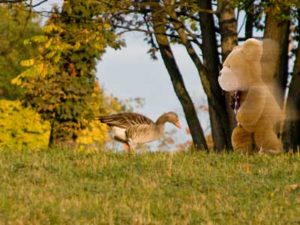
pixel 252 107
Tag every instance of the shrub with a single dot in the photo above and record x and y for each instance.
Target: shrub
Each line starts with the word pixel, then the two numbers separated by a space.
pixel 22 127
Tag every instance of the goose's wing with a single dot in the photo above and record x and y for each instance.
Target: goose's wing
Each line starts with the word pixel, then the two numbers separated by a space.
pixel 125 120
pixel 143 133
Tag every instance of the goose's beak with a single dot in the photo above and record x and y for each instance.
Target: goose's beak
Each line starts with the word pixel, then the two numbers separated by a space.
pixel 177 124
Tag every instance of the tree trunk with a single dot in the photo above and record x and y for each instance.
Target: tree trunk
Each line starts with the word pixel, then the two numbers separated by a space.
pixel 228 27
pixel 177 80
pixel 222 119
pixel 228 31
pixel 208 74
pixel 64 129
pixel 249 20
pixel 291 136
pixel 60 136
pixel 278 30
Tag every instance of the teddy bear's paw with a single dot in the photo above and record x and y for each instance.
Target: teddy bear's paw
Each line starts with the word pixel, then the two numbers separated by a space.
pixel 269 151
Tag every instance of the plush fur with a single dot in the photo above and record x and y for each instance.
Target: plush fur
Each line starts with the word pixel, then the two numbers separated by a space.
pixel 259 112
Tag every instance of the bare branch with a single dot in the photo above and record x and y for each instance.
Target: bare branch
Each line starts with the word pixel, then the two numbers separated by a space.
pixel 30 4
pixel 38 4
pixel 12 1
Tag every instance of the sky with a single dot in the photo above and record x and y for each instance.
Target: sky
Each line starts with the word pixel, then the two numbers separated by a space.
pixel 130 73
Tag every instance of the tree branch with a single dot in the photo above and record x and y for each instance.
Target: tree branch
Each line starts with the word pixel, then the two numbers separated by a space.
pixel 12 1
pixel 37 4
pixel 30 5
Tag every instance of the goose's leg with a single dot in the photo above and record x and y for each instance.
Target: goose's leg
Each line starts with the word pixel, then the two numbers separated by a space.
pixel 131 145
pixel 126 144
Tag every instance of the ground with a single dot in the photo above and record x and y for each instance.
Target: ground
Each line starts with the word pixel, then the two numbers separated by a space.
pixel 68 187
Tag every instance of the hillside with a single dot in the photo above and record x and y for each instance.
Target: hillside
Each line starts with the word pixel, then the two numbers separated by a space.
pixel 68 187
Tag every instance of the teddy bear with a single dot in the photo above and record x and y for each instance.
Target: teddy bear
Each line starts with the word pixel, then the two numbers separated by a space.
pixel 256 109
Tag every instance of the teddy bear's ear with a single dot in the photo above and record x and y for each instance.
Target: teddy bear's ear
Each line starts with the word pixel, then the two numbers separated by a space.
pixel 252 49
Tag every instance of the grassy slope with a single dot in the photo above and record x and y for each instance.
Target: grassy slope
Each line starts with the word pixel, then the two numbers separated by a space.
pixel 65 187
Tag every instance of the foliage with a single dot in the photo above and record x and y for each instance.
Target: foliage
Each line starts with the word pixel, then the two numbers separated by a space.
pixel 67 187
pixel 92 138
pixel 203 25
pixel 21 127
pixel 16 25
pixel 95 136
pixel 283 10
pixel 59 82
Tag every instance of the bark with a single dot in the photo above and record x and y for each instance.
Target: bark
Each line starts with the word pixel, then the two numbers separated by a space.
pixel 208 71
pixel 278 30
pixel 218 134
pixel 222 119
pixel 249 20
pixel 228 27
pixel 228 31
pixel 177 80
pixel 292 129
pixel 60 137
pixel 221 115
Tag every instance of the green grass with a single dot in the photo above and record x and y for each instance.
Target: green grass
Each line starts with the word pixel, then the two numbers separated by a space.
pixel 65 187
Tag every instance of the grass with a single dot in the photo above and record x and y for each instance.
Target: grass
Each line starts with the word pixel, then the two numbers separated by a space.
pixel 67 187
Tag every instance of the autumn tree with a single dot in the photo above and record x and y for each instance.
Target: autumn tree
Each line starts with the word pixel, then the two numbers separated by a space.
pixel 60 81
pixel 16 25
pixel 159 24
pixel 209 31
pixel 192 24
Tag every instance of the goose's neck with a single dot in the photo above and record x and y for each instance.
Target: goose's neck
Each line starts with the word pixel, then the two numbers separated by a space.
pixel 160 122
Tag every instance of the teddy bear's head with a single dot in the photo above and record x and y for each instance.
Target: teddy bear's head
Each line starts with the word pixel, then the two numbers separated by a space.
pixel 242 67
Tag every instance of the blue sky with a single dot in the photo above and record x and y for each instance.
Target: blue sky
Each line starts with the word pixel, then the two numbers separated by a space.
pixel 131 73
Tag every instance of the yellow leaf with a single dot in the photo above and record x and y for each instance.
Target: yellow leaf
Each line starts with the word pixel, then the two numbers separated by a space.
pixel 77 45
pixel 30 131
pixel 16 81
pixel 107 26
pixel 27 63
pixel 40 38
pixel 48 43
pixel 52 27
pixel 27 42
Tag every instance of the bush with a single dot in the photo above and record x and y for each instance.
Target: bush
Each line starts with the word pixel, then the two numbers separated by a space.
pixel 92 138
pixel 22 127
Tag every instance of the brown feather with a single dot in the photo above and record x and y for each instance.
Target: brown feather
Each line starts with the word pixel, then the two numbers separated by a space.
pixel 134 128
pixel 125 120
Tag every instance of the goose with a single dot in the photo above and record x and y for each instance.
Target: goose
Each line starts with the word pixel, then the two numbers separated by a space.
pixel 133 128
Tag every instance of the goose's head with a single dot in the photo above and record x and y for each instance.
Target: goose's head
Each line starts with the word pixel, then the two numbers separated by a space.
pixel 170 117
